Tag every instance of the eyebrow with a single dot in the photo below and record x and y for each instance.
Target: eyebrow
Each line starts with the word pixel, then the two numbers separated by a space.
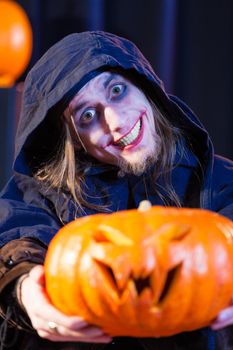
pixel 109 79
pixel 77 107
pixel 105 84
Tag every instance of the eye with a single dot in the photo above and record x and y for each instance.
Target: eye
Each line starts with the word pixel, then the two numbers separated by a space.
pixel 117 90
pixel 87 116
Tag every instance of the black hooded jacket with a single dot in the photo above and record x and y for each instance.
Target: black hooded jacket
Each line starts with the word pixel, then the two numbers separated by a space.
pixel 30 216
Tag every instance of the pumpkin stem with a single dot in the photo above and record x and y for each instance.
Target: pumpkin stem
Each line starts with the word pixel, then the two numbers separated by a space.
pixel 144 205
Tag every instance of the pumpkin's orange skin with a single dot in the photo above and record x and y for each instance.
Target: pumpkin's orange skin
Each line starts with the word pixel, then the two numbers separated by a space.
pixel 15 42
pixel 139 249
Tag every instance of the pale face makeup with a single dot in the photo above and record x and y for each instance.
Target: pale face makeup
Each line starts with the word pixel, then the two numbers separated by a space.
pixel 115 122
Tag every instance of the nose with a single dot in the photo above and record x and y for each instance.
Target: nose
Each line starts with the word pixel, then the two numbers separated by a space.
pixel 113 119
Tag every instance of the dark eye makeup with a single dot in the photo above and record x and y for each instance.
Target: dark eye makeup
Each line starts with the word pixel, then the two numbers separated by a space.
pixel 116 91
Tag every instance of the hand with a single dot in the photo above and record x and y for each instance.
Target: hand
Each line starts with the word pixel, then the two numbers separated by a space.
pixel 49 322
pixel 224 319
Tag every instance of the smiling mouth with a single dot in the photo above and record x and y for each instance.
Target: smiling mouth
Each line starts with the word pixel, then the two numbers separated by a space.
pixel 131 137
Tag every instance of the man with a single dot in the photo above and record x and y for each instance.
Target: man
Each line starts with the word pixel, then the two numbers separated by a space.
pixel 97 133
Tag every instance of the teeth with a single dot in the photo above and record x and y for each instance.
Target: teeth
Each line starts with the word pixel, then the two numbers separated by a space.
pixel 129 138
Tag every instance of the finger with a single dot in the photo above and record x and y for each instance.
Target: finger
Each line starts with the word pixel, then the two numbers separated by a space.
pixel 43 311
pixel 71 325
pixel 49 313
pixel 225 318
pixel 63 338
pixel 87 332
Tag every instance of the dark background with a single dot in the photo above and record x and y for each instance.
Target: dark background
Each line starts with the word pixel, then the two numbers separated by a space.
pixel 188 42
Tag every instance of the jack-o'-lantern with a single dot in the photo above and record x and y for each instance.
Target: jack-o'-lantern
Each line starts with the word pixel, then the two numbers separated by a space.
pixel 147 273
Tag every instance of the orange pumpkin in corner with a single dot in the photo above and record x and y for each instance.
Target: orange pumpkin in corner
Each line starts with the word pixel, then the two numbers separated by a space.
pixel 147 273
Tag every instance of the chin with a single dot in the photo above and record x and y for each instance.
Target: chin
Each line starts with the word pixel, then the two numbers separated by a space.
pixel 137 167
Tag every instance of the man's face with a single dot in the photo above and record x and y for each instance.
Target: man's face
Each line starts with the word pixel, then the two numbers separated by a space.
pixel 115 122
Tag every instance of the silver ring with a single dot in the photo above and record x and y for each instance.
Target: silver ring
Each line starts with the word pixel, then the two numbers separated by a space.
pixel 53 327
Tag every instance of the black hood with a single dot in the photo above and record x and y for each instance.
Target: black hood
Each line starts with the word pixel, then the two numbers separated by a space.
pixel 63 70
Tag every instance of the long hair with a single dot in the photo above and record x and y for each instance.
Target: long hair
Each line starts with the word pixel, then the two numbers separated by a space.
pixel 65 171
pixel 171 142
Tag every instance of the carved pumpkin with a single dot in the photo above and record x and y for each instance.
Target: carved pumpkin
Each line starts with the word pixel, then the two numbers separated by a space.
pixel 152 273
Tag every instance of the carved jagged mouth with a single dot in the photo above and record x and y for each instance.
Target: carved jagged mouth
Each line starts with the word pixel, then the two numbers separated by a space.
pixel 108 272
pixel 141 283
pixel 169 282
pixel 131 136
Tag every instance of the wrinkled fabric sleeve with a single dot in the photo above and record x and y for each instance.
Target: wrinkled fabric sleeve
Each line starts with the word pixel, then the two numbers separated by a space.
pixel 17 257
pixel 25 232
pixel 19 220
pixel 222 187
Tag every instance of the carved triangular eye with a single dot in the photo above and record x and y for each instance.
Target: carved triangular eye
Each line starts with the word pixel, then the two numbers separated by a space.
pixel 107 233
pixel 100 237
pixel 170 232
